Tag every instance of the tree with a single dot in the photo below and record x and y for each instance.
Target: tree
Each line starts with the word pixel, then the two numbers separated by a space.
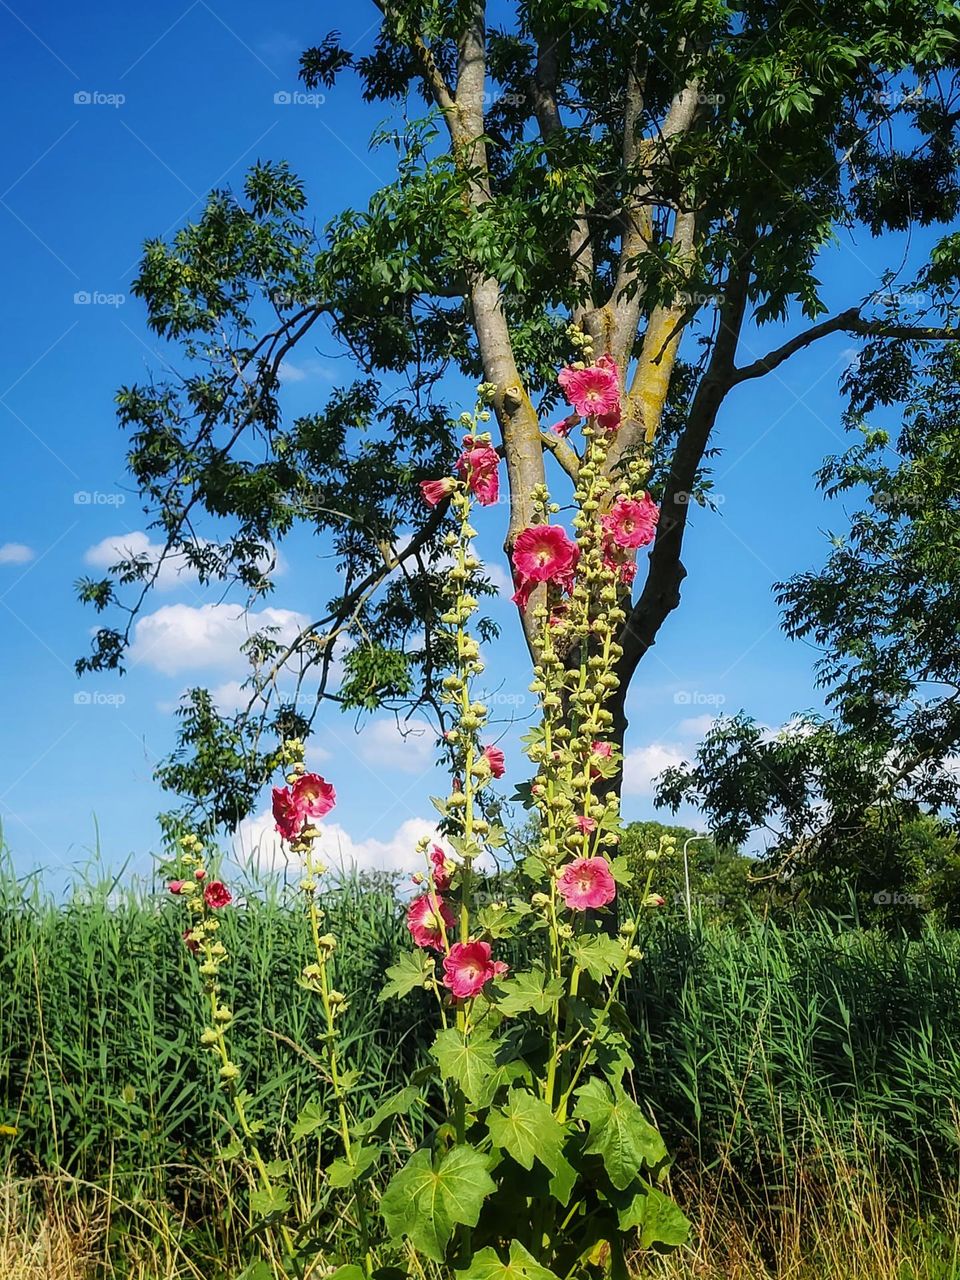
pixel 720 887
pixel 848 796
pixel 652 174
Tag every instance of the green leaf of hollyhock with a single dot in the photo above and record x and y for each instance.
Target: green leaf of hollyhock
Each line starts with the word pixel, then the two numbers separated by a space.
pixel 399 1104
pixel 412 970
pixel 426 1203
pixel 659 1219
pixel 619 1132
pixel 342 1173
pixel 598 955
pixel 265 1202
pixel 620 870
pixel 312 1116
pixel 488 1265
pixel 527 1129
pixel 468 1061
pixel 350 1272
pixel 528 991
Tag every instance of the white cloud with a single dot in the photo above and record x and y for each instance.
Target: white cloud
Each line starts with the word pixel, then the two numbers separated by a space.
pixel 256 840
pixel 16 553
pixel 643 764
pixel 407 747
pixel 697 727
pixel 290 372
pixel 174 571
pixel 180 637
pixel 500 579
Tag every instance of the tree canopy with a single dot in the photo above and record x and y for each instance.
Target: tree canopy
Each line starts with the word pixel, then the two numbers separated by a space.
pixel 659 176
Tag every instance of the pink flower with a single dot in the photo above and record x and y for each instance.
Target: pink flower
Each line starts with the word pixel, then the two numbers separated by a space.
pixel 175 886
pixel 586 825
pixel 565 425
pixel 632 522
pixel 216 894
pixel 440 868
pixel 469 967
pixel 544 553
pixel 434 491
pixel 287 813
pixel 494 757
pixel 594 390
pixel 478 466
pixel 313 796
pixel 424 917
pixel 199 874
pixel 587 883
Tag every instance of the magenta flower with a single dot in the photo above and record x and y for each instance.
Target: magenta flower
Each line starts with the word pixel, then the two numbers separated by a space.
pixel 478 465
pixel 287 813
pixel 175 886
pixel 434 491
pixel 428 917
pixel 632 522
pixel 495 758
pixel 544 553
pixel 469 967
pixel 594 390
pixel 216 895
pixel 313 796
pixel 587 883
pixel 585 825
pixel 440 868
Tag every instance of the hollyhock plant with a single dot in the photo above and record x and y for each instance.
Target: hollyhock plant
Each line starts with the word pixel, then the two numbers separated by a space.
pixel 216 895
pixel 434 491
pixel 441 868
pixel 592 391
pixel 313 795
pixel 429 919
pixel 632 522
pixel 469 967
pixel 587 884
pixel 479 466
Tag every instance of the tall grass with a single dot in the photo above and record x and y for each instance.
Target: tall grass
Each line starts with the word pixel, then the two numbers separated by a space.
pixel 780 1064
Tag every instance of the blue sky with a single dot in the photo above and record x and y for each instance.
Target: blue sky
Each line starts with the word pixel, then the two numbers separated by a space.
pixel 120 119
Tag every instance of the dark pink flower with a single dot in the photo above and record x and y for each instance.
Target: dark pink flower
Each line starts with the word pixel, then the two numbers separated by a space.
pixel 216 895
pixel 199 874
pixel 434 491
pixel 313 795
pixel 287 813
pixel 495 758
pixel 469 967
pixel 478 465
pixel 587 883
pixel 632 522
pixel 565 425
pixel 594 390
pixel 175 886
pixel 544 553
pixel 586 825
pixel 440 868
pixel 428 917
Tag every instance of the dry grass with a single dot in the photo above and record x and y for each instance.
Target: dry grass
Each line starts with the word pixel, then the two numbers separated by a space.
pixel 842 1231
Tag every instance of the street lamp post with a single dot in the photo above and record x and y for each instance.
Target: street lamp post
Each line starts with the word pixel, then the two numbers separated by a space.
pixel 686 877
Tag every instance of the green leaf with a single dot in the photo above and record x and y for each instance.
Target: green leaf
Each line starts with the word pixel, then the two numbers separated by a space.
pixel 598 955
pixel 341 1173
pixel 527 1129
pixel 412 970
pixel 350 1272
pixel 427 1203
pixel 487 1265
pixel 528 991
pixel 468 1061
pixel 263 1271
pixel 399 1104
pixel 659 1219
pixel 619 1132
pixel 312 1116
pixel 265 1202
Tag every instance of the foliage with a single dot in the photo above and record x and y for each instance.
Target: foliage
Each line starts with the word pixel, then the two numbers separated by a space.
pixel 656 174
